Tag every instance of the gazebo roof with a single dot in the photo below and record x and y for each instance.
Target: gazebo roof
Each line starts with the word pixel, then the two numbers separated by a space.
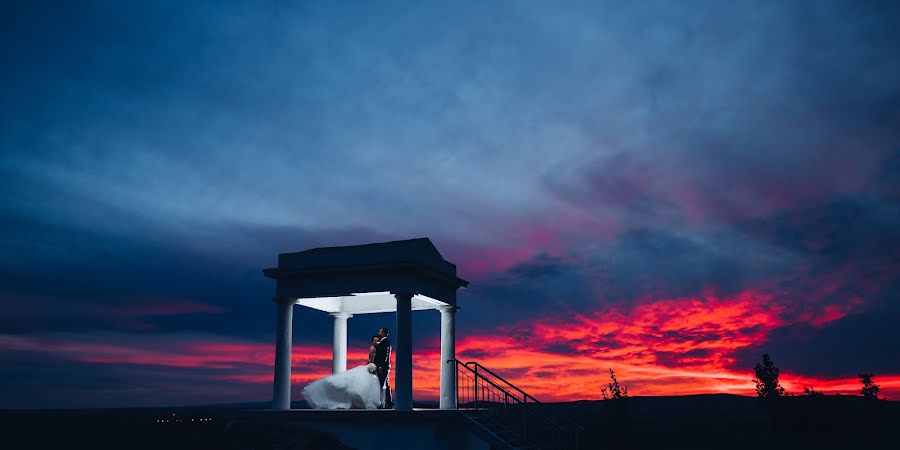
pixel 360 279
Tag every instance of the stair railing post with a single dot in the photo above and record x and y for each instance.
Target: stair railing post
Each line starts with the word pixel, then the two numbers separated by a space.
pixel 525 417
pixel 456 386
pixel 475 389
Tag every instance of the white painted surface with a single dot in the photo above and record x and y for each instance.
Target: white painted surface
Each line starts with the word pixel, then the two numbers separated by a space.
pixel 339 343
pixel 281 396
pixel 448 352
pixel 367 303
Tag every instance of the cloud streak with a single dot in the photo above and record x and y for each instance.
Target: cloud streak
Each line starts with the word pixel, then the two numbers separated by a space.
pixel 667 190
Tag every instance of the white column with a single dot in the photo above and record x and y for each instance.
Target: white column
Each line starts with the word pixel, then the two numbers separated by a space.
pixel 281 397
pixel 403 344
pixel 339 344
pixel 448 352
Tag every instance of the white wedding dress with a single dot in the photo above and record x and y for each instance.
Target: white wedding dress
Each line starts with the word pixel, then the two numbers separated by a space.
pixel 356 388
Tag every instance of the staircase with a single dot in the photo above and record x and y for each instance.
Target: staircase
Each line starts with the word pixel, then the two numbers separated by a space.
pixel 508 416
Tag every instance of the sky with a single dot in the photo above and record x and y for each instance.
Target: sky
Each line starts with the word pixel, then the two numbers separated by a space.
pixel 665 189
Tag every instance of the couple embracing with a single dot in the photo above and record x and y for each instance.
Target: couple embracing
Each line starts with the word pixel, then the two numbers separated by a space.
pixel 362 387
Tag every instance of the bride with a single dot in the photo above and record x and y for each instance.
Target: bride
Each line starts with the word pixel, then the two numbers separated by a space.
pixel 356 388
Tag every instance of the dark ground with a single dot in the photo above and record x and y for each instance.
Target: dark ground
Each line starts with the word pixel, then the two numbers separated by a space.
pixel 734 422
pixel 692 422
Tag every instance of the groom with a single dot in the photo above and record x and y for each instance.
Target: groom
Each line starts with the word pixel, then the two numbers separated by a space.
pixel 383 364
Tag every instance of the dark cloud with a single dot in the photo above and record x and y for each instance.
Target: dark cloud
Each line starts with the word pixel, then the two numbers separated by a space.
pixel 58 278
pixel 542 265
pixel 688 358
pixel 97 279
pixel 539 286
pixel 29 380
pixel 834 233
pixel 864 342
pixel 853 249
pixel 656 263
pixel 155 157
pixel 565 348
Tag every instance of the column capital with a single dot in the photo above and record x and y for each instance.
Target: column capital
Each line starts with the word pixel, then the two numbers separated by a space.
pixel 284 300
pixel 403 295
pixel 448 309
pixel 340 315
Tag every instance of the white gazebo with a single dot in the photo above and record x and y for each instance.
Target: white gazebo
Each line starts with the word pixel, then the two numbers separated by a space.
pixel 397 276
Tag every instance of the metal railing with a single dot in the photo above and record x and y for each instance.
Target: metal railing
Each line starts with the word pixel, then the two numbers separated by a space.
pixel 508 412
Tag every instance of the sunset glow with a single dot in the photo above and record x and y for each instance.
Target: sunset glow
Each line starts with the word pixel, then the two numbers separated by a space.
pixel 669 191
pixel 667 347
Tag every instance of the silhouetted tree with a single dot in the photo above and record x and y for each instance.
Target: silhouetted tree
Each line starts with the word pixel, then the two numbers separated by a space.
pixel 767 386
pixel 870 390
pixel 613 391
pixel 810 392
pixel 618 411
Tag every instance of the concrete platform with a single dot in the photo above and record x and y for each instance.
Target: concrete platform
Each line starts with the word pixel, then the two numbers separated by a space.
pixel 374 429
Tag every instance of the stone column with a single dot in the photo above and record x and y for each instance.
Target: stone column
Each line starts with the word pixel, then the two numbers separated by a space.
pixel 448 352
pixel 281 397
pixel 339 344
pixel 403 351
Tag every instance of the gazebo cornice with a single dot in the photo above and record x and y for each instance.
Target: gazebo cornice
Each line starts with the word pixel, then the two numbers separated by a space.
pixel 411 266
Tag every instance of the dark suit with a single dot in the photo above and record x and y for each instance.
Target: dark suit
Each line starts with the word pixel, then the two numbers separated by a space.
pixel 382 361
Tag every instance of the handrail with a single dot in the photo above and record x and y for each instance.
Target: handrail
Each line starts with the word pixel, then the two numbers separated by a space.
pixel 514 394
pixel 524 394
pixel 485 379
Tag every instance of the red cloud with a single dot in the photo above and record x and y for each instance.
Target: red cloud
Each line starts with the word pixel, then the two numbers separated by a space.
pixel 664 347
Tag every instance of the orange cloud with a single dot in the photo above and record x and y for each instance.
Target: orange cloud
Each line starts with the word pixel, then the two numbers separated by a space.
pixel 665 347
